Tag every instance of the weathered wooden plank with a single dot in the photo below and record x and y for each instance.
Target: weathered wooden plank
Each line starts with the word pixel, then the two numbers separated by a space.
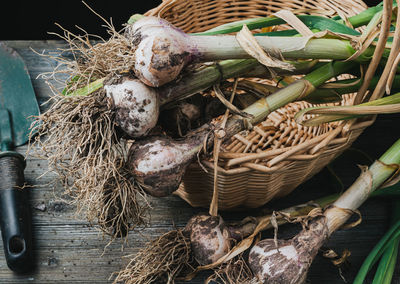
pixel 69 250
pixel 39 64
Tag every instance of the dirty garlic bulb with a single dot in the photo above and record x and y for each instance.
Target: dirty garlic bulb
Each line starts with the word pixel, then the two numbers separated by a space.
pixel 161 50
pixel 158 163
pixel 288 261
pixel 136 105
pixel 209 237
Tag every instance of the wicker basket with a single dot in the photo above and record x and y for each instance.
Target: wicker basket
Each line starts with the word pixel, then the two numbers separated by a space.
pixel 278 154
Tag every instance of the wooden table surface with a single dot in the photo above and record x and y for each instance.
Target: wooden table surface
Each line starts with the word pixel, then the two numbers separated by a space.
pixel 69 250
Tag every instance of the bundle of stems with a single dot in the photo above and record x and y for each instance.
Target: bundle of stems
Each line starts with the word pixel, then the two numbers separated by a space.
pixel 84 146
pixel 287 45
pixel 158 163
pixel 152 178
pixel 94 119
pixel 155 68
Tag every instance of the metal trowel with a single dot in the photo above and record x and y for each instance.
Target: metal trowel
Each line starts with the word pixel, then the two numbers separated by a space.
pixel 17 106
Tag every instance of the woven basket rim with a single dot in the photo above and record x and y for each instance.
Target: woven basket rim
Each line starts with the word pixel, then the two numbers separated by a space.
pixel 342 8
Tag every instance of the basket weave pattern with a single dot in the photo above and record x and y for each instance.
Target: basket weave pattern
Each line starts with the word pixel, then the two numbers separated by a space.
pixel 276 156
pixel 269 162
pixel 200 15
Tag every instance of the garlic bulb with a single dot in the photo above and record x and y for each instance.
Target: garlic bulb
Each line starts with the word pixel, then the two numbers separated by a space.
pixel 161 50
pixel 136 105
pixel 209 237
pixel 158 163
pixel 288 263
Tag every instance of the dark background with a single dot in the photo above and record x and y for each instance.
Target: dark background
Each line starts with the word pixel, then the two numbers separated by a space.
pixel 30 20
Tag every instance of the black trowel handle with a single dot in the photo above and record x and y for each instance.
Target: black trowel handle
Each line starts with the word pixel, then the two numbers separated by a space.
pixel 15 220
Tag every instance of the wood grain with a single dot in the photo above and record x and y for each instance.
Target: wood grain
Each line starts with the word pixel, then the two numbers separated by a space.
pixel 69 250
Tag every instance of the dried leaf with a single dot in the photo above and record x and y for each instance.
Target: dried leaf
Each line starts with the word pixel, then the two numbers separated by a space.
pixel 371 27
pixel 248 42
pixel 330 34
pixel 394 56
pixel 335 113
pixel 386 105
pixel 392 74
pixel 232 108
pixel 260 89
pixel 351 212
pixel 394 178
pixel 336 259
pixel 274 224
pixel 383 36
pixel 342 259
pixel 294 22
pixel 363 46
pixel 217 144
pixel 330 254
pixel 368 36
